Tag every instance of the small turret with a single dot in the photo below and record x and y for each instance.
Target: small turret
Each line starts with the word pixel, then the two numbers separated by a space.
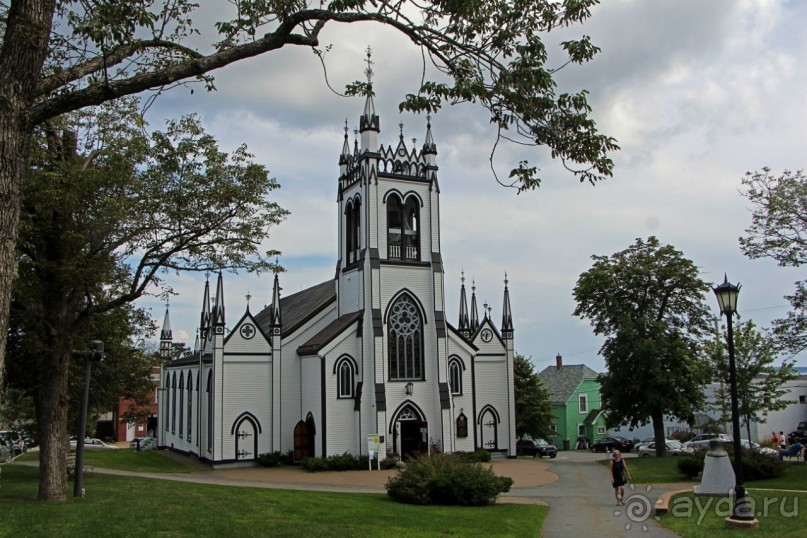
pixel 276 320
pixel 204 322
pixel 474 310
pixel 507 316
pixel 464 323
pixel 344 157
pixel 218 307
pixel 166 336
pixel 429 147
pixel 369 124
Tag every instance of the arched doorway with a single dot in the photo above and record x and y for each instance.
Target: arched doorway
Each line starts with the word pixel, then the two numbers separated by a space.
pixel 245 430
pixel 410 431
pixel 304 435
pixel 489 428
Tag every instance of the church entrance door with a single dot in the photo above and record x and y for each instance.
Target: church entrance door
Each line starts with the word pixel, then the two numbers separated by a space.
pixel 302 441
pixel 412 437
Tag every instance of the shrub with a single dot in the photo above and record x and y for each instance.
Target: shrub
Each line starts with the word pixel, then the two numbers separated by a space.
pixel 480 455
pixel 270 459
pixel 342 462
pixel 390 462
pixel 756 465
pixel 446 479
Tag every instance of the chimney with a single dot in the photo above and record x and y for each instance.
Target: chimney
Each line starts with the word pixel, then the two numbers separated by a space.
pixel 558 361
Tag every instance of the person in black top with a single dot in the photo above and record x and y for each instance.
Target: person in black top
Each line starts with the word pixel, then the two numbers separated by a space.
pixel 619 476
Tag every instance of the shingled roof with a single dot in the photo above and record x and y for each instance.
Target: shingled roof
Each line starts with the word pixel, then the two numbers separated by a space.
pixel 328 333
pixel 562 382
pixel 298 308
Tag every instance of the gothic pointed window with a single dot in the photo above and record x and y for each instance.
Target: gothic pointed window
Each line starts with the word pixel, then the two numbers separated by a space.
pixel 403 228
pixel 174 405
pixel 346 379
pixel 352 231
pixel 405 332
pixel 190 405
pixel 455 376
pixel 181 405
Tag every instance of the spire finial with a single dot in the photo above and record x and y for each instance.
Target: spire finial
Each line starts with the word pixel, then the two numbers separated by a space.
pixel 505 278
pixel 400 126
pixel 462 277
pixel 368 72
pixel 248 296
pixel 346 128
pixel 473 285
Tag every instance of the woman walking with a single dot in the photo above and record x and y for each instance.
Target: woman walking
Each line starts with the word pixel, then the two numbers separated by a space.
pixel 619 477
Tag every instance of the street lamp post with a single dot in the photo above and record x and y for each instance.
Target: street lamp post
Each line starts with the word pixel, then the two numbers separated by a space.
pixel 96 353
pixel 727 299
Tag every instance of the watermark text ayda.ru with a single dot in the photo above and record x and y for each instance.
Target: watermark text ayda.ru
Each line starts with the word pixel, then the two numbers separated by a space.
pixel 785 506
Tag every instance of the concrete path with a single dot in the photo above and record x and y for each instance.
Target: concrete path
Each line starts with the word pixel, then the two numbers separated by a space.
pixel 581 501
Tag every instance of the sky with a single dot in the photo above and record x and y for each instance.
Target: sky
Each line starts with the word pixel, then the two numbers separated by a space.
pixel 695 93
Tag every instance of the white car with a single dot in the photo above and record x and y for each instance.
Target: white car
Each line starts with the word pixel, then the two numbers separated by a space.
pixel 674 448
pixel 702 440
pixel 646 441
pixel 91 442
pixel 761 449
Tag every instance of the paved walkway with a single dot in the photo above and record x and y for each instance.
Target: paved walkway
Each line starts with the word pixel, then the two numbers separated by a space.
pixel 574 486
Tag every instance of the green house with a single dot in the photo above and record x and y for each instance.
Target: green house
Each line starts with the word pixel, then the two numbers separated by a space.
pixel 576 409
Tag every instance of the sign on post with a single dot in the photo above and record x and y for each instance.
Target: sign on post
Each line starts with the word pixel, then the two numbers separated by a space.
pixel 373 447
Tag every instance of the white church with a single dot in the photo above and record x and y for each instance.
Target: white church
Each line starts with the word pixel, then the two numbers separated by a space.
pixel 369 352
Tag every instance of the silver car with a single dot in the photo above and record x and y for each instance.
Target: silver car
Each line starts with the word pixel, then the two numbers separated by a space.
pixel 674 448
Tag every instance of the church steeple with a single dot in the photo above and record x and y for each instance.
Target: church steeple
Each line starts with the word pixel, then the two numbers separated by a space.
pixel 507 316
pixel 464 324
pixel 276 320
pixel 474 310
pixel 218 307
pixel 166 336
pixel 204 322
pixel 369 124
pixel 344 158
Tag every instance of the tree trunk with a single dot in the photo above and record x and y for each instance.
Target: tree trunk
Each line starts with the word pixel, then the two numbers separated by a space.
pixel 51 413
pixel 658 434
pixel 23 52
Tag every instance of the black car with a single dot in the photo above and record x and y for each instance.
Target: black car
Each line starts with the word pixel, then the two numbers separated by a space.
pixel 535 447
pixel 609 444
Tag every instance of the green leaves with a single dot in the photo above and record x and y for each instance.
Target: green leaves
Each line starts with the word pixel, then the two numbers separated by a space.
pixel 647 300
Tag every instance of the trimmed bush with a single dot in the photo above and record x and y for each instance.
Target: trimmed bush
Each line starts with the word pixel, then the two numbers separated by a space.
pixel 342 462
pixel 445 479
pixel 480 455
pixel 756 465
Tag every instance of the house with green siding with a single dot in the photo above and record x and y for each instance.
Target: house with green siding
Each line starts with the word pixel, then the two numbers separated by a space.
pixel 575 394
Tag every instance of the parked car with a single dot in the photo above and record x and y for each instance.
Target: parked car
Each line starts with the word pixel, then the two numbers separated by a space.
pixel 609 444
pixel 644 442
pixel 673 448
pixel 91 442
pixel 14 439
pixel 702 441
pixel 745 443
pixel 800 434
pixel 536 447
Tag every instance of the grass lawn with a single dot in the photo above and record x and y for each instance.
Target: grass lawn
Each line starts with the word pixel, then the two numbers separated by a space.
pixel 119 506
pixel 780 514
pixel 127 459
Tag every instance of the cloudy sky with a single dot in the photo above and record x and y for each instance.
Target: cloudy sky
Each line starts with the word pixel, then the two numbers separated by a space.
pixel 696 93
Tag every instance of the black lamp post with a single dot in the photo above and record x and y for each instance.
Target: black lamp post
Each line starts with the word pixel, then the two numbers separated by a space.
pixel 96 353
pixel 727 299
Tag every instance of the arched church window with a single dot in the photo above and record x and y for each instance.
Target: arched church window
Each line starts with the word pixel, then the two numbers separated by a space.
pixel 346 379
pixel 405 331
pixel 209 411
pixel 190 405
pixel 352 231
pixel 455 376
pixel 403 228
pixel 174 404
pixel 181 404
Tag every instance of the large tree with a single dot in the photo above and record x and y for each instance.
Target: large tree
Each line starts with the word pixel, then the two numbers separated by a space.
pixel 648 301
pixel 59 57
pixel 106 210
pixel 759 380
pixel 779 231
pixel 532 402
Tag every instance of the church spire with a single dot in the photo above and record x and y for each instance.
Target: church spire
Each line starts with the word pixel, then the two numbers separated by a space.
pixel 344 158
pixel 166 336
pixel 204 322
pixel 275 319
pixel 474 310
pixel 369 124
pixel 429 147
pixel 507 316
pixel 464 324
pixel 218 305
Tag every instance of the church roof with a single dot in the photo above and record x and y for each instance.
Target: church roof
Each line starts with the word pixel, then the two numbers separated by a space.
pixel 299 307
pixel 562 382
pixel 328 333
